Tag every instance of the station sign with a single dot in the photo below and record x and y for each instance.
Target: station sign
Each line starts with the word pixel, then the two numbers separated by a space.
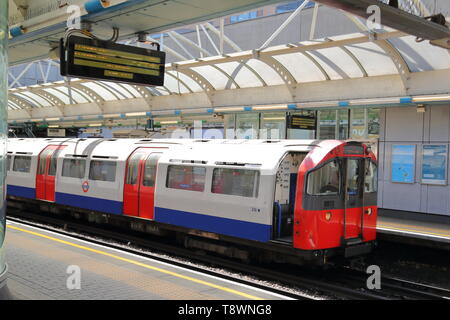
pixel 104 60
pixel 56 132
pixel 301 122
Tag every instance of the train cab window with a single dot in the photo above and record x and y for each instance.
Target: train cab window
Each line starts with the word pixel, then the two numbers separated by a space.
pixel 370 178
pixel 236 182
pixel 74 168
pixel 186 178
pixel 102 170
pixel 353 165
pixel 325 180
pixel 22 164
pixel 150 170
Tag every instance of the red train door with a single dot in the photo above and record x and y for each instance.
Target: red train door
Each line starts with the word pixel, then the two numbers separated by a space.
pixel 353 214
pixel 147 186
pixel 46 172
pixel 139 187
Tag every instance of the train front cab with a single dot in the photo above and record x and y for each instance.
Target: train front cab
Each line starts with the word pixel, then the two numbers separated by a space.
pixel 336 203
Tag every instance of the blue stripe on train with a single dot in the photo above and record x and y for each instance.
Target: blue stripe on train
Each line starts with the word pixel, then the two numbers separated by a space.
pixel 90 203
pixel 229 227
pixel 20 191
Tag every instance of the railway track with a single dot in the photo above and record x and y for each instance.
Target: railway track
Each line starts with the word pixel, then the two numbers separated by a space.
pixel 335 283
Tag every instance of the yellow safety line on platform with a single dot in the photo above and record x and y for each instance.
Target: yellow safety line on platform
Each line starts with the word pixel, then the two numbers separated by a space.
pixel 395 224
pixel 209 284
pixel 386 226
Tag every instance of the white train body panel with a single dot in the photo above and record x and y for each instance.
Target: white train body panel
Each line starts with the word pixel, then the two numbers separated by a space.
pixel 234 215
pixel 23 183
pixel 244 216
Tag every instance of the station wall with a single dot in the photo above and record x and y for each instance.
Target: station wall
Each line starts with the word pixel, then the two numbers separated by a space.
pixel 406 126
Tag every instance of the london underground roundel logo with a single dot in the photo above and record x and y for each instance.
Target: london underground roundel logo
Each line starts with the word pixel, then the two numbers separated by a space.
pixel 85 186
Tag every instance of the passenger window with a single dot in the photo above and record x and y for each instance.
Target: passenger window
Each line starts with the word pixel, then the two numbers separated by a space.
pixel 74 168
pixel 102 170
pixel 371 178
pixel 324 181
pixel 150 170
pixel 22 164
pixel 186 178
pixel 53 163
pixel 236 182
pixel 8 163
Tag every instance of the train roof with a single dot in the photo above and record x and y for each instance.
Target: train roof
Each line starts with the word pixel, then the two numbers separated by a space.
pixel 264 154
pixel 261 154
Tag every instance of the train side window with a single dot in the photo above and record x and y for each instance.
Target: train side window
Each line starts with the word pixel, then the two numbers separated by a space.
pixel 150 170
pixel 22 164
pixel 236 182
pixel 53 163
pixel 74 168
pixel 371 177
pixel 186 178
pixel 325 180
pixel 102 170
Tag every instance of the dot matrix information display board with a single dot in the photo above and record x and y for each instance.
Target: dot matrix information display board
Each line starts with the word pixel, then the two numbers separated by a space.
pixel 104 60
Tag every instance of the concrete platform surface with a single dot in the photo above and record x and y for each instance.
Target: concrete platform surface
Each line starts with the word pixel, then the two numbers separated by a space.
pixel 46 265
pixel 412 228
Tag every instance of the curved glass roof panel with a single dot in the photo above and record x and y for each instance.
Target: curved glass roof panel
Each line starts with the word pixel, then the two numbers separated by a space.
pixel 32 102
pixel 13 105
pixel 191 83
pixel 101 91
pixel 78 98
pixel 340 57
pixel 341 61
pixel 373 59
pixel 42 101
pixel 173 84
pixel 332 68
pixel 420 56
pixel 132 90
pixel 58 94
pixel 118 89
pixel 301 67
pixel 163 91
pixel 217 79
pixel 270 76
pixel 243 76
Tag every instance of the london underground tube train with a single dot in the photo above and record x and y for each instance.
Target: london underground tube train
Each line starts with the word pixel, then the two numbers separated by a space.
pixel 277 200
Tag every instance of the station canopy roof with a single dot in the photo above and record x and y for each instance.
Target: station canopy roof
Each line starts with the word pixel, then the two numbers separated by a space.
pixel 319 73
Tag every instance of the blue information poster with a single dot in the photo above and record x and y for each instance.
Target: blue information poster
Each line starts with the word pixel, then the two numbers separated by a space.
pixel 434 164
pixel 403 163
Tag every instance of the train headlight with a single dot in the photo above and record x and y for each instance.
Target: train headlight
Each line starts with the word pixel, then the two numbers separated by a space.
pixel 328 216
pixel 369 211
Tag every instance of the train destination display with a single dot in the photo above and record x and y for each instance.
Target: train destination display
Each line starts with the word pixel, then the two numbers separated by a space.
pixel 104 60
